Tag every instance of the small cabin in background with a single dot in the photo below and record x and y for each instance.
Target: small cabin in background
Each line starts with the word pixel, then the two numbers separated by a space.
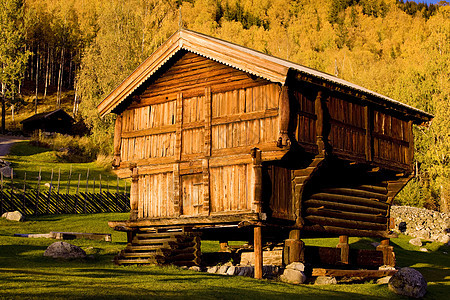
pixel 54 121
pixel 236 144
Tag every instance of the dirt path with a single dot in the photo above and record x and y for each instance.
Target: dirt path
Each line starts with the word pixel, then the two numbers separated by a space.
pixel 7 141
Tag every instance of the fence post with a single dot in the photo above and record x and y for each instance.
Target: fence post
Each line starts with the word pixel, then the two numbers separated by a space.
pixel 24 192
pixel 49 192
pixel 57 191
pixel 68 180
pixel 100 183
pixel 37 193
pixel 117 195
pixel 78 193
pixel 12 186
pixel 1 174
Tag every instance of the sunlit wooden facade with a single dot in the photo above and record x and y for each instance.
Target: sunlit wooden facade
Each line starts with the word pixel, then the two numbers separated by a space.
pixel 212 133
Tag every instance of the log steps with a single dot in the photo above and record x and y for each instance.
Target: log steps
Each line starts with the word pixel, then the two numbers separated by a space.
pixel 161 247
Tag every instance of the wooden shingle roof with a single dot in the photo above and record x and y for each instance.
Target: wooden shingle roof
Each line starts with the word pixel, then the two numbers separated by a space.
pixel 262 65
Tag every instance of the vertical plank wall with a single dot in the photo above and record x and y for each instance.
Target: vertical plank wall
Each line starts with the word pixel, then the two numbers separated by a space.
pixel 391 139
pixel 240 112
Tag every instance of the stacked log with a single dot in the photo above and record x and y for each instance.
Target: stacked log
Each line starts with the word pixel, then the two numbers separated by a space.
pixel 353 207
pixel 153 247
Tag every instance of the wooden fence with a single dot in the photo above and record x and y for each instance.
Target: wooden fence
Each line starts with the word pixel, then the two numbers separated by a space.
pixel 49 200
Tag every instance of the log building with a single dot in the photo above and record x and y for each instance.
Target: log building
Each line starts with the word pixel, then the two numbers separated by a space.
pixel 221 139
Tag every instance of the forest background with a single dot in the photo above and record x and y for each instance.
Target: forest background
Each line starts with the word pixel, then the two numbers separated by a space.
pixel 396 48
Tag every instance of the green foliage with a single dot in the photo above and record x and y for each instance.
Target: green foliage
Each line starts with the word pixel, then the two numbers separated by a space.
pixel 399 49
pixel 70 148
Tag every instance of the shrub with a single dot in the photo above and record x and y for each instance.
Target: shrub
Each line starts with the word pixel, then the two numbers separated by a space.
pixel 69 148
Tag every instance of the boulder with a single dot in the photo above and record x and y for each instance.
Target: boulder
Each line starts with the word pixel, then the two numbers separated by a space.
pixel 322 280
pixel 423 234
pixel 222 270
pixel 296 266
pixel 444 238
pixel 231 270
pixel 293 276
pixel 386 267
pixel 64 250
pixel 408 282
pixel 195 268
pixel 416 242
pixel 244 271
pixel 384 280
pixel 6 171
pixel 212 269
pixel 13 216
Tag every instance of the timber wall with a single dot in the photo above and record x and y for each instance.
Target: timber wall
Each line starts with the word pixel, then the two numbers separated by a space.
pixel 190 133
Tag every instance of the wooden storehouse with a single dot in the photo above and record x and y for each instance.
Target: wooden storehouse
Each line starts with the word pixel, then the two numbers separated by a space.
pixel 53 121
pixel 224 140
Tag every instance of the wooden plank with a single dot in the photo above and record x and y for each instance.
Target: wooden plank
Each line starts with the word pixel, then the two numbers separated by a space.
pixel 352 273
pixel 345 207
pixel 351 224
pixel 350 200
pixel 217 219
pixel 381 219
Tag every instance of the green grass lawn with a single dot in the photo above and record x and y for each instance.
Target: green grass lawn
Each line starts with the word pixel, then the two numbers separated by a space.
pixel 29 159
pixel 26 273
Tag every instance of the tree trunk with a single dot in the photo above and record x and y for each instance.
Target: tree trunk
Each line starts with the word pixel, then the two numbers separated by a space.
pixel 75 101
pixel 46 72
pixel 37 81
pixel 58 101
pixel 3 109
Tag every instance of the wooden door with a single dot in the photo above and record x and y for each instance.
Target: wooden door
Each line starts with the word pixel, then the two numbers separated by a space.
pixel 191 194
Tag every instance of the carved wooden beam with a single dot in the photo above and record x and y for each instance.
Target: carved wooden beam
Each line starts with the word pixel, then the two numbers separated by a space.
pixel 283 139
pixel 117 140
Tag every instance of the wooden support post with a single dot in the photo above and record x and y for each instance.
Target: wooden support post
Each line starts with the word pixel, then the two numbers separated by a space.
pixel 256 180
pixel 257 245
pixel 207 107
pixel 294 248
pixel 117 140
pixel 318 106
pixel 134 192
pixel 345 248
pixel 176 189
pixel 283 138
pixel 368 125
pixel 179 123
pixel 224 246
pixel 410 153
pixel 206 188
pixel 388 253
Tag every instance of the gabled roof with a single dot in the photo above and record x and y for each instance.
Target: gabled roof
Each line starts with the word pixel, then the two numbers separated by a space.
pixel 239 57
pixel 47 115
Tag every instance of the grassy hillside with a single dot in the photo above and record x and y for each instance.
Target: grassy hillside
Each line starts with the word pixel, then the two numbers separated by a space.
pixel 25 273
pixel 29 159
